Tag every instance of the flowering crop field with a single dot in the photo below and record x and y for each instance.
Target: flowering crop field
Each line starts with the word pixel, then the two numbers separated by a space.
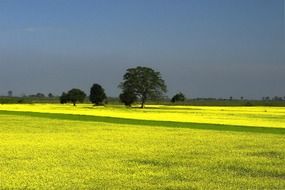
pixel 51 146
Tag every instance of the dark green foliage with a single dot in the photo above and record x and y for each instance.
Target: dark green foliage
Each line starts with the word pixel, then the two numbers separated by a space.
pixel 27 100
pixel 248 103
pixel 74 95
pixel 97 94
pixel 37 95
pixel 128 98
pixel 50 95
pixel 179 97
pixel 63 98
pixel 144 83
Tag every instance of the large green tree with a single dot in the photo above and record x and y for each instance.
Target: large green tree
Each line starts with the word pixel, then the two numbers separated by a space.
pixel 97 94
pixel 144 83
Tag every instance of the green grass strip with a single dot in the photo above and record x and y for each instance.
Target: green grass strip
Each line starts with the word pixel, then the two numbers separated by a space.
pixel 172 124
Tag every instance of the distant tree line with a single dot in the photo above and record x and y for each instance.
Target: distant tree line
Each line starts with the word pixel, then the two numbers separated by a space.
pixel 139 85
pixel 37 95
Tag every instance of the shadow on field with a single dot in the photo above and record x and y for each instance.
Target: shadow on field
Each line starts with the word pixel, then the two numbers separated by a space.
pixel 172 124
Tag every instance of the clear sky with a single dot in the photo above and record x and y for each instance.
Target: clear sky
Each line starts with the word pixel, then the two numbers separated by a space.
pixel 204 48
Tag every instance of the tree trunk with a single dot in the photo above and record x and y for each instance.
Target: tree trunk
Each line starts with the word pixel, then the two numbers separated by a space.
pixel 142 105
pixel 143 102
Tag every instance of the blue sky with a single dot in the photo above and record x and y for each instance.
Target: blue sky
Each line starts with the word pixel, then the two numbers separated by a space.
pixel 204 48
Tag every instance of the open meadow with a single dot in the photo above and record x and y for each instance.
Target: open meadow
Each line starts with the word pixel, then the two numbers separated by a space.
pixel 52 146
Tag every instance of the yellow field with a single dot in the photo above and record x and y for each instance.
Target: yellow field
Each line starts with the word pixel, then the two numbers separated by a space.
pixel 52 146
pixel 243 116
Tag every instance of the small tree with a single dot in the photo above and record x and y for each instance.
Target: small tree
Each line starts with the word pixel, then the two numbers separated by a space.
pixel 40 95
pixel 179 97
pixel 50 95
pixel 63 98
pixel 10 93
pixel 144 83
pixel 97 94
pixel 128 98
pixel 76 95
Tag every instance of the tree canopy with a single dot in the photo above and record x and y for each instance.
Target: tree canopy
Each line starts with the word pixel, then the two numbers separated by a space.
pixel 127 97
pixel 74 95
pixel 63 98
pixel 144 83
pixel 179 97
pixel 97 94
